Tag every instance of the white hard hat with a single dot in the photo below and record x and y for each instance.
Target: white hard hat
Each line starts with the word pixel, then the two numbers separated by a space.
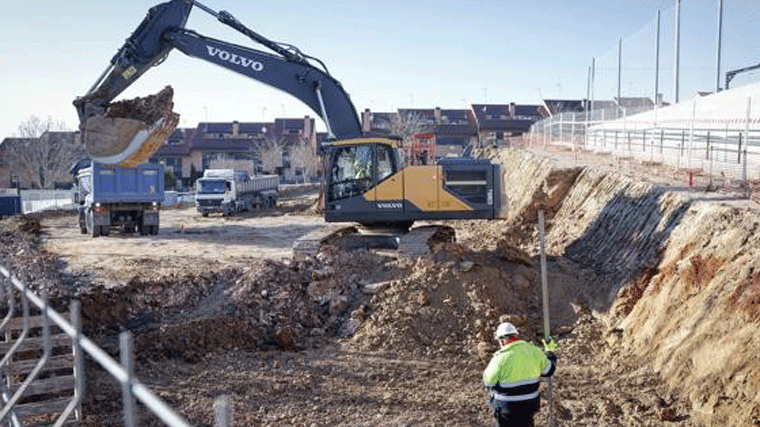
pixel 505 329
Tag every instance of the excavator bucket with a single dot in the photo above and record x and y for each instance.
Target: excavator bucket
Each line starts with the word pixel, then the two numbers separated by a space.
pixel 130 131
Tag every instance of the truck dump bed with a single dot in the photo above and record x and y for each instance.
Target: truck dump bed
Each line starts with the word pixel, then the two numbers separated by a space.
pixel 113 184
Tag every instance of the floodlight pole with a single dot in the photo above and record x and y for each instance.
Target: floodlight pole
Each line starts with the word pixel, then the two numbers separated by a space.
pixel 720 36
pixel 677 52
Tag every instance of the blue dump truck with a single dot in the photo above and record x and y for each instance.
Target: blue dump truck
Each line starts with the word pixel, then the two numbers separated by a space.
pixel 127 198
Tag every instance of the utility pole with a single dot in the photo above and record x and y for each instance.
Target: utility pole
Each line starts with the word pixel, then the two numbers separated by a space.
pixel 657 70
pixel 677 52
pixel 620 70
pixel 657 63
pixel 720 36
pixel 593 75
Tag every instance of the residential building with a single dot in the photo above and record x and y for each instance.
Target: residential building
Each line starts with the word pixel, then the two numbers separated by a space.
pixel 497 122
pixel 255 147
pixel 454 129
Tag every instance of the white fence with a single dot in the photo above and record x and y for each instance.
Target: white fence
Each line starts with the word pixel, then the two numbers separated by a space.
pixel 716 134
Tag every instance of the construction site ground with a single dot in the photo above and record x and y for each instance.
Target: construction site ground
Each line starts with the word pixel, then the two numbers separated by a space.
pixel 653 300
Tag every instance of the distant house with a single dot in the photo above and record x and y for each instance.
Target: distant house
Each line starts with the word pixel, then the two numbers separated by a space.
pixel 235 145
pixel 454 129
pixel 550 107
pixel 496 122
pixel 632 105
pixel 378 123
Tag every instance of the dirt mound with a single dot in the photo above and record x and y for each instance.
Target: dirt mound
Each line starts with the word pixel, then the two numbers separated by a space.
pixel 20 252
pixel 148 109
pixel 450 305
pixel 269 305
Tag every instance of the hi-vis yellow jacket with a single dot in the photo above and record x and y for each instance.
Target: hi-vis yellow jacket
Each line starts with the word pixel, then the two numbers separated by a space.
pixel 514 371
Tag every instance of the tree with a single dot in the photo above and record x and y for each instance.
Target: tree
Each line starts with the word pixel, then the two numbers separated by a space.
pixel 46 149
pixel 303 156
pixel 407 126
pixel 270 153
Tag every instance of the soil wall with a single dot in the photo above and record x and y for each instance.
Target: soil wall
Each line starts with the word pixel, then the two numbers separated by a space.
pixel 681 269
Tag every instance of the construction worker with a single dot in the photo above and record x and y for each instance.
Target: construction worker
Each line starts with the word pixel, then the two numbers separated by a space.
pixel 512 377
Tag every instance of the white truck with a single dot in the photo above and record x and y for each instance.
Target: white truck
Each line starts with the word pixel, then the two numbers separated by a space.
pixel 229 191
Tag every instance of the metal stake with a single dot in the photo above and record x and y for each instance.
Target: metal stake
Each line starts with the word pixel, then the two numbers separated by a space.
pixel 545 292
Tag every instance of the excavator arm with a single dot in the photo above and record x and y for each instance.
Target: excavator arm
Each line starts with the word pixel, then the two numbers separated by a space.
pixel 162 30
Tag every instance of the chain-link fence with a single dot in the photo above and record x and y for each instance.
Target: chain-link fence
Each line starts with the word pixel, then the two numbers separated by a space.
pixel 659 95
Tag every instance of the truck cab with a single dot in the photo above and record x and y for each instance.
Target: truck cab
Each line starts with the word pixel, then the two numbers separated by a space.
pixel 216 191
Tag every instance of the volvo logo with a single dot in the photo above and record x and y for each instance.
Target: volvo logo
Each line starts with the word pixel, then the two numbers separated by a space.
pixel 234 58
pixel 390 205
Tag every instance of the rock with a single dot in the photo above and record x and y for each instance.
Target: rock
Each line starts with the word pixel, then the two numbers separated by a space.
pixel 466 266
pixel 516 319
pixel 667 414
pixel 285 337
pixel 338 304
pixel 423 299
pixel 374 288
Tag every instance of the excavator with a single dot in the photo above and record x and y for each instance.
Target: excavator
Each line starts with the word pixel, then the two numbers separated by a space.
pixel 366 180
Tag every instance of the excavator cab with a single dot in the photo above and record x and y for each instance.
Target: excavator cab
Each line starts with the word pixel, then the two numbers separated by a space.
pixel 357 168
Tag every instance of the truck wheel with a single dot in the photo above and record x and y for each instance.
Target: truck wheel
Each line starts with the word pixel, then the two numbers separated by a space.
pixel 204 214
pixel 105 230
pixel 274 202
pixel 92 230
pixel 154 229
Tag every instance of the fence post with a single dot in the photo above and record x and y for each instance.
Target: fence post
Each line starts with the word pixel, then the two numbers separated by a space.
pixel 572 130
pixel 644 141
pixel 739 149
pixel 710 157
pixel 128 363
pixel 707 150
pixel 746 145
pixel 76 321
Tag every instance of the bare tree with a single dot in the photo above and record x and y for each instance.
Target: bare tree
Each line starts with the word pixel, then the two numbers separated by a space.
pixel 303 156
pixel 270 153
pixel 407 125
pixel 45 149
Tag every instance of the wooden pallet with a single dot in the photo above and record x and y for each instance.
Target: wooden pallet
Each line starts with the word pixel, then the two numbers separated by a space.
pixel 52 390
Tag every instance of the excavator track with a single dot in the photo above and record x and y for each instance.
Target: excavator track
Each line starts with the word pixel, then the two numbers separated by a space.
pixel 309 244
pixel 417 242
pixel 420 240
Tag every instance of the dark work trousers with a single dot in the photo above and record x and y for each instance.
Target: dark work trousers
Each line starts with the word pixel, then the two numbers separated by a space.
pixel 514 414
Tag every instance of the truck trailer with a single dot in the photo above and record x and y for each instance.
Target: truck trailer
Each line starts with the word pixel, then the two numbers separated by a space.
pixel 126 197
pixel 229 191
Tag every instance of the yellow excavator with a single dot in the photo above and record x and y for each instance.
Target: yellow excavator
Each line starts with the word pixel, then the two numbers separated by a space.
pixel 366 179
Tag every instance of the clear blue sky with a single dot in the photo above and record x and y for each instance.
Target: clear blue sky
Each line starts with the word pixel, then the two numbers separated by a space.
pixel 388 55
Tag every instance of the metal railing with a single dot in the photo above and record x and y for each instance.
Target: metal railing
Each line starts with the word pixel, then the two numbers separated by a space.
pixel 731 149
pixel 132 389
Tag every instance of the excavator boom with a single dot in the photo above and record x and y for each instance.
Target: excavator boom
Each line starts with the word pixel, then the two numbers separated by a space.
pixel 121 140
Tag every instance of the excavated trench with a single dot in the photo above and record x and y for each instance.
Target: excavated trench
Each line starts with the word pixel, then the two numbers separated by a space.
pixel 655 297
pixel 679 290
